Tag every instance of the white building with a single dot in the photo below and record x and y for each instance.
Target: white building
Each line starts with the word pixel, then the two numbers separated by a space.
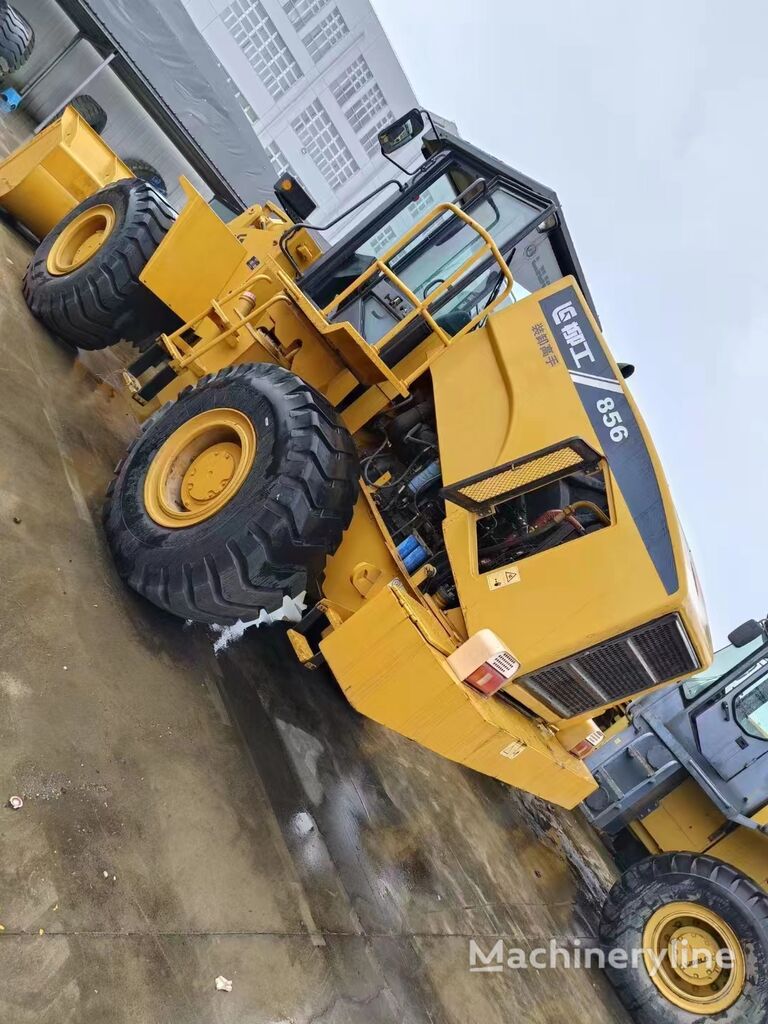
pixel 317 79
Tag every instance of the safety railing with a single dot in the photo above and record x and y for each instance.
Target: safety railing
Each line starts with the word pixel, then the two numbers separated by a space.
pixel 230 325
pixel 239 312
pixel 421 307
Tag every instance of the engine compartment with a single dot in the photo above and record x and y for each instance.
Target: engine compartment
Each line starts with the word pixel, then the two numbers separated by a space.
pixel 401 465
pixel 543 518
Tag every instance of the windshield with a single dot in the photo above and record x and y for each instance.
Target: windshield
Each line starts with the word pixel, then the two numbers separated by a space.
pixel 444 245
pixel 447 243
pixel 533 265
pixel 725 659
pixel 442 190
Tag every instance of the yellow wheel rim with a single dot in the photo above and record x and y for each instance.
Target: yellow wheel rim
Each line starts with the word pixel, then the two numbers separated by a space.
pixel 694 958
pixel 81 239
pixel 200 468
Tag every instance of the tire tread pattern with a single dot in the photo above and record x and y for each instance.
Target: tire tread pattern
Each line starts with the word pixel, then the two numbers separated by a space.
pixel 281 546
pixel 95 306
pixel 17 40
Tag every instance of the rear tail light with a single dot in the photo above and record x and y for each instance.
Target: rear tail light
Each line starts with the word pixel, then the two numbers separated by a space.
pixel 484 663
pixel 585 747
pixel 582 738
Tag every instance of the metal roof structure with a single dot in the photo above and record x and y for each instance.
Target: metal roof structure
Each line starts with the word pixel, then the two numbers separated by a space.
pixel 167 65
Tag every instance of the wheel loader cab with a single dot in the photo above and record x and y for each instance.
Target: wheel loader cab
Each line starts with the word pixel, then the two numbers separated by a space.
pixel 521 217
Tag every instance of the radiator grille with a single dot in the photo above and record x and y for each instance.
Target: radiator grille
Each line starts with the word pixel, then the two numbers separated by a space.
pixel 657 652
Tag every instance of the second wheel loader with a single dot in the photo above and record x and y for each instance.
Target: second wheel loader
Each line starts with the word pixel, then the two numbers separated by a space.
pixel 682 804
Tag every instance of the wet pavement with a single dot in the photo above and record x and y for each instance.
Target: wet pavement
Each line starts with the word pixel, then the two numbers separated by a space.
pixel 187 816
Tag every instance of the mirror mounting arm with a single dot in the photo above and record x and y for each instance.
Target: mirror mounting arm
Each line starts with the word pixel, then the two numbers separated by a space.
pixel 403 131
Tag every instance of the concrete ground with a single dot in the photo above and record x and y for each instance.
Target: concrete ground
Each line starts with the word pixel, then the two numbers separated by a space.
pixel 186 817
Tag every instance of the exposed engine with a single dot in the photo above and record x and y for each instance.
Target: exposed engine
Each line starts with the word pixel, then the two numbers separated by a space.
pixel 404 474
pixel 542 518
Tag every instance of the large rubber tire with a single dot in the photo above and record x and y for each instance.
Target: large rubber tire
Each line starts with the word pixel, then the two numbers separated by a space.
pixel 686 877
pixel 149 173
pixel 17 40
pixel 103 301
pixel 272 539
pixel 91 111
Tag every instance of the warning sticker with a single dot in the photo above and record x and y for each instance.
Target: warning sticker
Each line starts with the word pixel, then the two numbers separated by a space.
pixel 513 750
pixel 503 577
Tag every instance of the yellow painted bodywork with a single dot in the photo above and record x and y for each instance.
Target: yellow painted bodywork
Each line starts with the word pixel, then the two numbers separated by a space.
pixel 42 181
pixel 496 399
pixel 574 595
pixel 239 300
pixel 202 258
pixel 389 660
pixel 686 819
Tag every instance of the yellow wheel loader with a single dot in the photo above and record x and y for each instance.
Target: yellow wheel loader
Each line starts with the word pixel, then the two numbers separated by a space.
pixel 414 448
pixel 682 805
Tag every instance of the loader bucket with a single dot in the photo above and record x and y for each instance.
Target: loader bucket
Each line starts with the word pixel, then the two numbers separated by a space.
pixel 48 176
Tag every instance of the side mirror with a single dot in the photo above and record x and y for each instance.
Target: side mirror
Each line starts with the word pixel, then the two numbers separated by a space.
pixel 746 633
pixel 401 132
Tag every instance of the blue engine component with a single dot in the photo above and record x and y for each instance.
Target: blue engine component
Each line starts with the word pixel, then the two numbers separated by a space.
pixel 9 100
pixel 405 547
pixel 412 552
pixel 426 476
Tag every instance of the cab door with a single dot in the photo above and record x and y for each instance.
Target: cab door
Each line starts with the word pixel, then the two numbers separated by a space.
pixel 733 729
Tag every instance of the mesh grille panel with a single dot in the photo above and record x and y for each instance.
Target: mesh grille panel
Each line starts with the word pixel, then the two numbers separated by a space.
pixel 511 479
pixel 553 685
pixel 612 671
pixel 480 493
pixel 614 665
pixel 665 649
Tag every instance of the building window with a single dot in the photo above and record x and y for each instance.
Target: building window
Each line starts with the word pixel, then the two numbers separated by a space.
pixel 320 139
pixel 257 36
pixel 325 35
pixel 383 239
pixel 370 140
pixel 421 204
pixel 245 106
pixel 279 160
pixel 353 79
pixel 302 11
pixel 366 108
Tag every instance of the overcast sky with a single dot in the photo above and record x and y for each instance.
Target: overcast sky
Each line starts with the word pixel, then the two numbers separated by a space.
pixel 649 121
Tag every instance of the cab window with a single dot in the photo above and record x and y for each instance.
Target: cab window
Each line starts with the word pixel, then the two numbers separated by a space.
pixel 725 659
pixel 443 247
pixel 750 708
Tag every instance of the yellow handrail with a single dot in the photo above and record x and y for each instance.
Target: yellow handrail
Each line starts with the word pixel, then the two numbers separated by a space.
pixel 421 307
pixel 183 354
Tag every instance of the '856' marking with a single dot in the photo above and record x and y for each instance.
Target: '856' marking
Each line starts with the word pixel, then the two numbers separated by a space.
pixel 612 419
